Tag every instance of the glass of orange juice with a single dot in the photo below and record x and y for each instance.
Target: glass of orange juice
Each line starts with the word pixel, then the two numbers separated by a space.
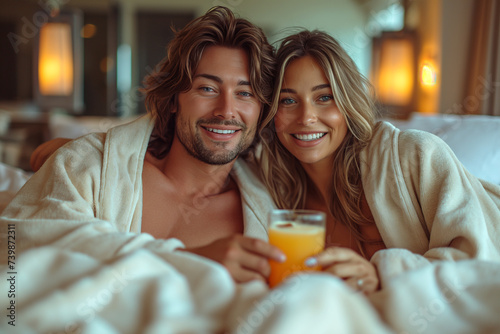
pixel 299 234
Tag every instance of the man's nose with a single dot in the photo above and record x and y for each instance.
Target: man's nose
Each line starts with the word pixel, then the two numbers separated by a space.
pixel 225 108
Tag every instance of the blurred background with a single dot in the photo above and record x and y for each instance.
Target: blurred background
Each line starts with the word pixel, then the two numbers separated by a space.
pixel 87 58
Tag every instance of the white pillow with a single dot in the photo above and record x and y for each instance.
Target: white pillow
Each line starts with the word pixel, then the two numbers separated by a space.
pixel 12 178
pixel 475 139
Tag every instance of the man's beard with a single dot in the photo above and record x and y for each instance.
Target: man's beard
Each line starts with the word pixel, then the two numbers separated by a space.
pixel 195 146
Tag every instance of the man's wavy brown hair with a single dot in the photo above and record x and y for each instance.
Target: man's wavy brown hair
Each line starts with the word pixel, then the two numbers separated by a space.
pixel 218 27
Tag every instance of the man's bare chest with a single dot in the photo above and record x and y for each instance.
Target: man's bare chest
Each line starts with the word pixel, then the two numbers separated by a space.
pixel 196 220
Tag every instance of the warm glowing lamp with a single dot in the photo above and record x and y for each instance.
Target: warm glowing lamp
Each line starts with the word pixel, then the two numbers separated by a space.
pixel 394 71
pixel 58 63
pixel 428 75
pixel 55 60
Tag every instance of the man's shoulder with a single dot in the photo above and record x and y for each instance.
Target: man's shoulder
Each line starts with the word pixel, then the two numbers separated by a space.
pixel 124 135
pixel 80 153
pixel 86 143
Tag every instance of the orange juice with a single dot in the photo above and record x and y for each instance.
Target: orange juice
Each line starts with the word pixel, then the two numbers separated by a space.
pixel 298 241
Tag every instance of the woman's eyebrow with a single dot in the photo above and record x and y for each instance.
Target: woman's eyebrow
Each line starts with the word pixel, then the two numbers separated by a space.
pixel 315 88
pixel 288 90
pixel 318 87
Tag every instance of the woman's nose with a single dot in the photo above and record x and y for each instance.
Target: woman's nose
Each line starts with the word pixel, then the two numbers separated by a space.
pixel 307 115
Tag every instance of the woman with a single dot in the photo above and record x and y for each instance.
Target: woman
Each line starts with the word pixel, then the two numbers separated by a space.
pixel 381 188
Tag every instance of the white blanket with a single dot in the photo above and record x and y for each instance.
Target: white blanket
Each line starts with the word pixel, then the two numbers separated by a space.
pixel 442 297
pixel 66 292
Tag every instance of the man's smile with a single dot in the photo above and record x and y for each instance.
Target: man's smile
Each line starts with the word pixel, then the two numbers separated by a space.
pixel 220 131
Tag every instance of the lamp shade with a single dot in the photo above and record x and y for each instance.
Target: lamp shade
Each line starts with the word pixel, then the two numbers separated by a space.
pixel 394 69
pixel 58 80
pixel 55 60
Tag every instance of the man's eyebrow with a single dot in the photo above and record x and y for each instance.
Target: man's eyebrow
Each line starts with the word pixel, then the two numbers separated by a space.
pixel 209 76
pixel 219 80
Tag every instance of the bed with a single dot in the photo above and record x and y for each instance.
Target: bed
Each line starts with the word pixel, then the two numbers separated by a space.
pixel 46 290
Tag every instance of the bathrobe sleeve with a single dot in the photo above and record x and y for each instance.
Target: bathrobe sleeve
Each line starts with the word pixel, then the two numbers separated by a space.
pixel 459 212
pixel 426 205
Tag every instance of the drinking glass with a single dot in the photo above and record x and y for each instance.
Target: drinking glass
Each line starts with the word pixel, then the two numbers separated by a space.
pixel 299 234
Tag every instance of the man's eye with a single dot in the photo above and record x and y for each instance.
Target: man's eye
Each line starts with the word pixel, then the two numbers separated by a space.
pixel 206 89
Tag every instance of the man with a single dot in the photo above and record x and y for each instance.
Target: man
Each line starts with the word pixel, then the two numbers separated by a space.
pixel 74 255
pixel 173 174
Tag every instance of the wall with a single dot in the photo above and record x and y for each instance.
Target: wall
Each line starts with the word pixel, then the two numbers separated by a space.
pixel 425 18
pixel 444 29
pixel 345 20
pixel 456 26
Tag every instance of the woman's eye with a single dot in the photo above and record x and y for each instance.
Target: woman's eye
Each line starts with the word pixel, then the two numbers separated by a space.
pixel 326 98
pixel 286 101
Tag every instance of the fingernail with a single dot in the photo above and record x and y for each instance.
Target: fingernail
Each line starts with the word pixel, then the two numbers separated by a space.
pixel 311 262
pixel 281 257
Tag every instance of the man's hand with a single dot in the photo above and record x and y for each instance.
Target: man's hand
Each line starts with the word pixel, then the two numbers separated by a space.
pixel 44 151
pixel 245 258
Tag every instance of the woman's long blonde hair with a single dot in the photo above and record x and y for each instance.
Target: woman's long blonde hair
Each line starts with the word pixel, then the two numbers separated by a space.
pixel 282 172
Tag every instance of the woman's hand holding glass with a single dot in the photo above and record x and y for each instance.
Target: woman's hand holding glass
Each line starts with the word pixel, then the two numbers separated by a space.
pixel 348 265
